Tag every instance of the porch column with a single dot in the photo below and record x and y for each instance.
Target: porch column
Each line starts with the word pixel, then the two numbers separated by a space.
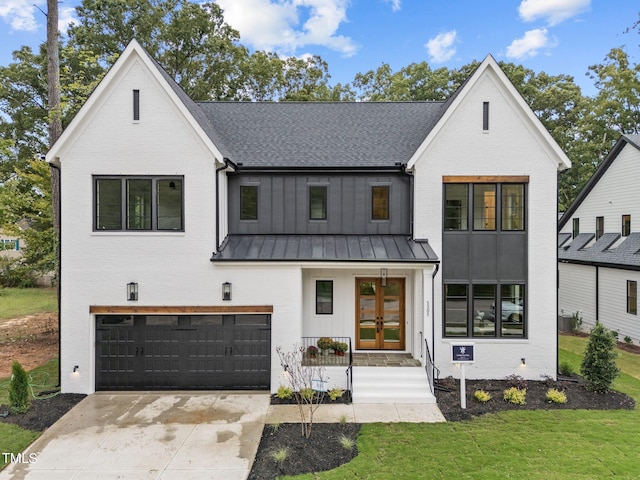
pixel 427 311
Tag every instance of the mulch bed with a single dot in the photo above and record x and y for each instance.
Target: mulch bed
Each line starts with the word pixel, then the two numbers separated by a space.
pixel 43 412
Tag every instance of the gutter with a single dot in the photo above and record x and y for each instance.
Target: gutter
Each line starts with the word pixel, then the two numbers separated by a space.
pixel 59 273
pixel 227 163
pixel 398 167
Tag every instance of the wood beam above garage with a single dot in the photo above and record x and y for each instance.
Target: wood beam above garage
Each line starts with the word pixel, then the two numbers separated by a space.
pixel 165 310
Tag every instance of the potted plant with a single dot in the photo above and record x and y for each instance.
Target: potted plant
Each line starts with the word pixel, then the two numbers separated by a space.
pixel 324 344
pixel 312 351
pixel 340 348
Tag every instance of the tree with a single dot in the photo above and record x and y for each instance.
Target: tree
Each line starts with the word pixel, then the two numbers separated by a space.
pixel 599 362
pixel 19 400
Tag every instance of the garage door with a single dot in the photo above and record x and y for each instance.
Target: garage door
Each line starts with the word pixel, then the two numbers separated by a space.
pixel 183 352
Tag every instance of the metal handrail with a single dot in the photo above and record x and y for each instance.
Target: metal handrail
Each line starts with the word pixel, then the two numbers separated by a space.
pixel 331 358
pixel 430 366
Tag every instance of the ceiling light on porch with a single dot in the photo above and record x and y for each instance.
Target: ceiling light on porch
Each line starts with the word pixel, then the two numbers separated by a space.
pixel 226 291
pixel 132 291
pixel 383 277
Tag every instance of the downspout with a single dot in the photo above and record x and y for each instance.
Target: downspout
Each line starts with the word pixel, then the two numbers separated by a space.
pixel 59 274
pixel 433 316
pixel 597 293
pixel 227 162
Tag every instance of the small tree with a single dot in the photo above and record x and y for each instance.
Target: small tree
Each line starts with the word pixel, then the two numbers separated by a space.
pixel 599 362
pixel 19 389
pixel 302 380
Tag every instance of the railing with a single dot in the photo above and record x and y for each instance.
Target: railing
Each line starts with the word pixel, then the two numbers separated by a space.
pixel 429 366
pixel 337 354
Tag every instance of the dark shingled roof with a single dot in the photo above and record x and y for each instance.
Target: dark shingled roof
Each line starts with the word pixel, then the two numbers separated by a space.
pixel 311 248
pixel 626 255
pixel 321 134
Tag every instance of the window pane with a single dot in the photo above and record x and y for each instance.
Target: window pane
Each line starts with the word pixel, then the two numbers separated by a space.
pixel 484 302
pixel 169 204
pixel 512 310
pixel 318 203
pixel 248 202
pixel 324 297
pixel 456 206
pixel 380 203
pixel 139 204
pixel 484 207
pixel 513 207
pixel 632 297
pixel 108 204
pixel 626 225
pixel 576 227
pixel 599 227
pixel 456 311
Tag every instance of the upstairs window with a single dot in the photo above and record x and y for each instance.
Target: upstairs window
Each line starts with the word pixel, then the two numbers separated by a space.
pixel 318 203
pixel 380 202
pixel 576 227
pixel 599 227
pixel 626 225
pixel 456 210
pixel 248 202
pixel 138 203
pixel 513 207
pixel 484 206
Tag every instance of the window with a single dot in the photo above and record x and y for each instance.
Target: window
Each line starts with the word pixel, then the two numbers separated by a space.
pixel 455 310
pixel 632 297
pixel 626 225
pixel 484 206
pixel 248 202
pixel 456 206
pixel 512 207
pixel 136 105
pixel 380 203
pixel 485 116
pixel 599 227
pixel 576 227
pixel 502 317
pixel 318 203
pixel 138 203
pixel 324 297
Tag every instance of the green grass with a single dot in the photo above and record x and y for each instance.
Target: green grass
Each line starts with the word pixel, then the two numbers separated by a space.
pixel 14 439
pixel 15 302
pixel 558 444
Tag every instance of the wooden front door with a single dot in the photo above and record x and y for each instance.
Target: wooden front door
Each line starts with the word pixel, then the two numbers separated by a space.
pixel 380 314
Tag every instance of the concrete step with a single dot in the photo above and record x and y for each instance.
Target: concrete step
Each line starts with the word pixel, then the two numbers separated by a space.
pixel 391 385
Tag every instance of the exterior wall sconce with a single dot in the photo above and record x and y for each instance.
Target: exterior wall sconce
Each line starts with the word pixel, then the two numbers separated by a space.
pixel 383 276
pixel 523 361
pixel 75 369
pixel 226 291
pixel 132 291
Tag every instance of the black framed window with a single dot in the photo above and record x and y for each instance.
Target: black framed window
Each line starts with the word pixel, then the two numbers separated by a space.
pixel 456 210
pixel 512 203
pixel 380 202
pixel 576 228
pixel 484 300
pixel 484 206
pixel 324 297
pixel 632 297
pixel 512 311
pixel 138 204
pixel 248 202
pixel 626 225
pixel 599 227
pixel 485 116
pixel 318 202
pixel 456 310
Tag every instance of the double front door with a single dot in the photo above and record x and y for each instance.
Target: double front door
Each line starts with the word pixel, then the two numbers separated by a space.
pixel 380 313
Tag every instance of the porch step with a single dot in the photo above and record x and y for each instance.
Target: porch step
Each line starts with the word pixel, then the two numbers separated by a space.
pixel 391 385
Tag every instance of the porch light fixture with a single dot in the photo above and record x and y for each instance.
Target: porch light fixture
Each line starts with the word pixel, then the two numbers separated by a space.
pixel 132 291
pixel 226 291
pixel 383 276
pixel 76 368
pixel 523 361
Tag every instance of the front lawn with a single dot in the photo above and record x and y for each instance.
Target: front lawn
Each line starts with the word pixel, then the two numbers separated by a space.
pixel 560 444
pixel 16 302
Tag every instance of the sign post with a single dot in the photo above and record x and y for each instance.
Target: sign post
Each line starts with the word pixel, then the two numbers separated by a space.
pixel 461 354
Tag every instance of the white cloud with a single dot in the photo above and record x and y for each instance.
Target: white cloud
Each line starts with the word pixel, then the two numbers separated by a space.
pixel 553 11
pixel 65 17
pixel 531 44
pixel 441 48
pixel 395 4
pixel 19 14
pixel 274 25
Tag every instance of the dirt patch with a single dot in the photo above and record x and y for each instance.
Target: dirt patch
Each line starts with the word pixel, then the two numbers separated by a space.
pixel 32 340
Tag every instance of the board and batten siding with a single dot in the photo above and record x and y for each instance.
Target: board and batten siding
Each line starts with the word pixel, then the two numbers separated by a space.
pixel 615 194
pixel 577 291
pixel 283 204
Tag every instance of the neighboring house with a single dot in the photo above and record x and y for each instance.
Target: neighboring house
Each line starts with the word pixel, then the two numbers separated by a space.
pixel 10 245
pixel 599 245
pixel 199 237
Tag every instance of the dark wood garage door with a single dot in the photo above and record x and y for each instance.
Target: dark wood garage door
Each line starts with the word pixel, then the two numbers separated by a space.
pixel 183 352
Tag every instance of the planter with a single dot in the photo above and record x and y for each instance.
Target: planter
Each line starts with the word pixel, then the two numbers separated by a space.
pixel 339 353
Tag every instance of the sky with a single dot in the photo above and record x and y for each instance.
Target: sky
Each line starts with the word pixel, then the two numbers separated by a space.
pixel 355 36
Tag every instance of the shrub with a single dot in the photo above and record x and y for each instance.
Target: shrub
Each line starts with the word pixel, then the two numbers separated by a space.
pixel 335 393
pixel 516 381
pixel 347 443
pixel 556 396
pixel 481 396
pixel 576 323
pixel 566 369
pixel 514 395
pixel 599 363
pixel 284 393
pixel 628 340
pixel 19 400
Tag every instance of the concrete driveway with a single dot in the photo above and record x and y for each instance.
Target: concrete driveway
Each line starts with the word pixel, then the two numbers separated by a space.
pixel 139 436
